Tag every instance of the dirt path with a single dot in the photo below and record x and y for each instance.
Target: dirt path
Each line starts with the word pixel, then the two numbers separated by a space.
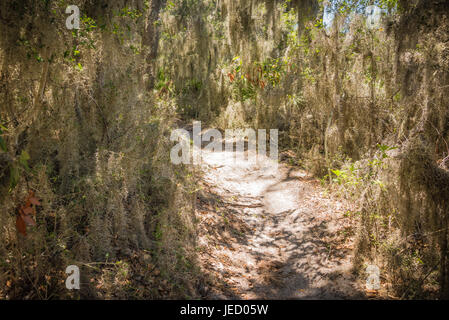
pixel 271 235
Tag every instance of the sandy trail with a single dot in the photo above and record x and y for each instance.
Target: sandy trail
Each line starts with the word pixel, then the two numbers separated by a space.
pixel 267 234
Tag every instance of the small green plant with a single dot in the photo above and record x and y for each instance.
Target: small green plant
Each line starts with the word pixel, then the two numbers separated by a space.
pixel 244 90
pixel 192 86
pixel 347 176
pixel 273 69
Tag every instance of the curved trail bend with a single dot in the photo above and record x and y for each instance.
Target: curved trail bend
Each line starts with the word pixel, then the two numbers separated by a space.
pixel 271 235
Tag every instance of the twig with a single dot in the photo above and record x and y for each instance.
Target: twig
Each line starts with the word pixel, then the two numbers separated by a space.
pixel 423 279
pixel 43 82
pixel 445 142
pixel 235 204
pixel 326 151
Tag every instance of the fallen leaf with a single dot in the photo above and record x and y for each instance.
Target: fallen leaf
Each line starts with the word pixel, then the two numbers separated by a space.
pixel 21 226
pixel 35 201
pixel 28 220
pixel 28 210
pixel 371 292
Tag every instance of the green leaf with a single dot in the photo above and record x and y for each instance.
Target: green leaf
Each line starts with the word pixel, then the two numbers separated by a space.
pixel 13 176
pixel 23 159
pixel 24 156
pixel 337 172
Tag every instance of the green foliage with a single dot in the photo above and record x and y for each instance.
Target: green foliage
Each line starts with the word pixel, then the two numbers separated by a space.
pixel 14 176
pixel 243 90
pixel 192 86
pixel 273 69
pixel 351 177
pixel 384 149
pixel 289 18
pixel 23 159
pixel 347 176
pixel 133 14
pixel 347 6
pixel 162 79
pixel 182 8
pixel 32 51
pixel 307 74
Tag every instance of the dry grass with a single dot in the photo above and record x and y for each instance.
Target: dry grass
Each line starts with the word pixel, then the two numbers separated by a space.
pixel 97 141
